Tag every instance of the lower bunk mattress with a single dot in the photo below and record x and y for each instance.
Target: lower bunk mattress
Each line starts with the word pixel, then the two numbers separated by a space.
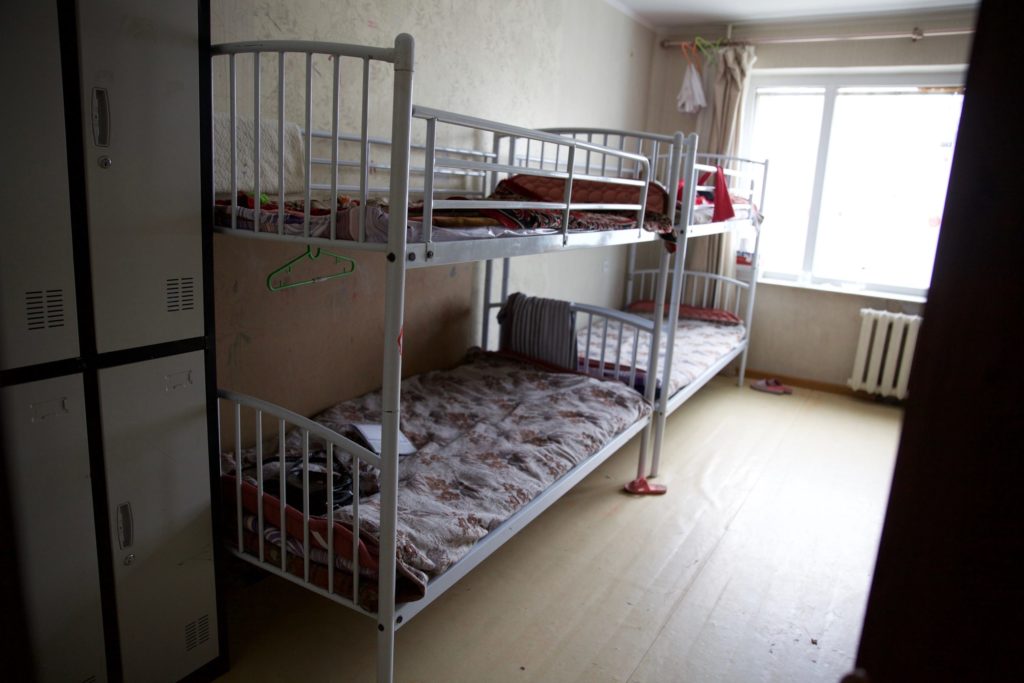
pixel 490 435
pixel 698 345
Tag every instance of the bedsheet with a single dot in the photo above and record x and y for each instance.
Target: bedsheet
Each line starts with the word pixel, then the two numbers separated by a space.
pixel 698 345
pixel 491 434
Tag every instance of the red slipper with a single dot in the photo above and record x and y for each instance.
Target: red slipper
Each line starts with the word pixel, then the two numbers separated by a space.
pixel 771 386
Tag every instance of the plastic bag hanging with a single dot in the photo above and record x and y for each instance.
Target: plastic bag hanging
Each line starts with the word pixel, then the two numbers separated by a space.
pixel 691 96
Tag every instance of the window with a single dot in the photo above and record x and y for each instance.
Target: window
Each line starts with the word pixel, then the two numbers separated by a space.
pixel 858 168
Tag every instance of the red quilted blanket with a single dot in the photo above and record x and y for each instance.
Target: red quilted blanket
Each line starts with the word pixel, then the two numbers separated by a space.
pixel 587 191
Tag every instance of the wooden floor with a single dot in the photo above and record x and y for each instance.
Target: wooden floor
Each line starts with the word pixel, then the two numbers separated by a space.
pixel 754 567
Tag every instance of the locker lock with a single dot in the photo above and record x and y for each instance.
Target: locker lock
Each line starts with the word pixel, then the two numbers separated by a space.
pixel 129 559
pixel 105 161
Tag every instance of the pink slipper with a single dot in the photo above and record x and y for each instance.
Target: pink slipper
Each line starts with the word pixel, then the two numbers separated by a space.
pixel 771 386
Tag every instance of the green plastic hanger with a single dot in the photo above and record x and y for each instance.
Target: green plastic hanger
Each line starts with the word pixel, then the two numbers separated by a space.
pixel 312 256
pixel 708 47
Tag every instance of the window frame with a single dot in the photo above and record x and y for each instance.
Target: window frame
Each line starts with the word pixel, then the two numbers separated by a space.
pixel 832 80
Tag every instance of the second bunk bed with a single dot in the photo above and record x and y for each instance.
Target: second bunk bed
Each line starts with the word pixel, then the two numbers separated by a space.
pixel 382 502
pixel 707 315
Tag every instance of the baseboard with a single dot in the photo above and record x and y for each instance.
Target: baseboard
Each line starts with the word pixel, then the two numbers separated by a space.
pixel 828 387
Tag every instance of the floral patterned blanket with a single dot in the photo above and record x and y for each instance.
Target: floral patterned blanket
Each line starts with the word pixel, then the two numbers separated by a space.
pixel 491 434
pixel 698 345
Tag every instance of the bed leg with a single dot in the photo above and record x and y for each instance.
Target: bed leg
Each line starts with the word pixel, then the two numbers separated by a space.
pixel 640 485
pixel 743 365
pixel 659 433
pixel 385 653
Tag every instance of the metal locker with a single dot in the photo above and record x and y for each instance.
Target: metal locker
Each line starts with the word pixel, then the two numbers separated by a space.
pixel 38 321
pixel 139 66
pixel 153 416
pixel 48 465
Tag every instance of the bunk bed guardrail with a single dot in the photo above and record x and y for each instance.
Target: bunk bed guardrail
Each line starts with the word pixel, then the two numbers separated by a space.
pixel 351 166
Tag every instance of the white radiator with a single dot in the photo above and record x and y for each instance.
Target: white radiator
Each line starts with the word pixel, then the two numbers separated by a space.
pixel 884 352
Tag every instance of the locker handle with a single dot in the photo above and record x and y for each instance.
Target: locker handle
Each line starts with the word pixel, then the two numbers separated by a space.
pixel 100 117
pixel 125 525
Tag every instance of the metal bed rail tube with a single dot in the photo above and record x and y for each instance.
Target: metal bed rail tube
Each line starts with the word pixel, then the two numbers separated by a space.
pixel 689 175
pixel 335 114
pixel 233 113
pixel 724 288
pixel 485 331
pixel 308 158
pixel 486 166
pixel 676 161
pixel 394 302
pixel 348 137
pixel 630 273
pixel 318 430
pixel 517 131
pixel 364 150
pixel 256 129
pixel 259 478
pixel 280 143
pixel 413 170
pixel 383 54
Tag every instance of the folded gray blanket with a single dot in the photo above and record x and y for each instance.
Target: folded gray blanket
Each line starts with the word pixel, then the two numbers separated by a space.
pixel 542 329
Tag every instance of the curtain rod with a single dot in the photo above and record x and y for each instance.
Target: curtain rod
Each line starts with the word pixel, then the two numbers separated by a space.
pixel 915 35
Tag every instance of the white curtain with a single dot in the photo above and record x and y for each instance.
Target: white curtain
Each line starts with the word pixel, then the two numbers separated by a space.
pixel 719 124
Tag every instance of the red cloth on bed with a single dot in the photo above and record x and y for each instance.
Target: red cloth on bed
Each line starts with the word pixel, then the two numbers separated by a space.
pixel 721 198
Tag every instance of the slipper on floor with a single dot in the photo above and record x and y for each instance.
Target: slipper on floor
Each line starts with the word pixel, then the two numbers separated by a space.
pixel 771 386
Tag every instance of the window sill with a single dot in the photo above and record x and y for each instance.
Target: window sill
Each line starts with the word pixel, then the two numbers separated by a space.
pixel 837 289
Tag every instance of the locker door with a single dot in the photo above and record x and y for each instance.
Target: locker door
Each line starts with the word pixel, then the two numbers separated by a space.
pixel 154 439
pixel 37 278
pixel 140 101
pixel 48 464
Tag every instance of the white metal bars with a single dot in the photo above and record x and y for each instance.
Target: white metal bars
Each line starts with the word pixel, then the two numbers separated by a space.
pixel 452 161
pixel 296 437
pixel 613 333
pixel 308 49
pixel 632 168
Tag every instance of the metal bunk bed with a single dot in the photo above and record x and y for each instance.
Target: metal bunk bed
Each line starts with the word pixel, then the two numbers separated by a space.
pixel 746 181
pixel 514 150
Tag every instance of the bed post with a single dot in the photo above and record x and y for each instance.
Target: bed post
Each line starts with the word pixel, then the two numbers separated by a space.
pixel 391 385
pixel 640 485
pixel 748 318
pixel 682 233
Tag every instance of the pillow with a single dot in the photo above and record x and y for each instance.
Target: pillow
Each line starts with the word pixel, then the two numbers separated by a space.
pixel 688 312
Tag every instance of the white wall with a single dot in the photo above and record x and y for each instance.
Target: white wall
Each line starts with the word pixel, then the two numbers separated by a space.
pixel 805 333
pixel 531 62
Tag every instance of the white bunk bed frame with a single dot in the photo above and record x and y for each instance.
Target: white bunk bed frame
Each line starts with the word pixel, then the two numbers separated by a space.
pixel 746 179
pixel 401 255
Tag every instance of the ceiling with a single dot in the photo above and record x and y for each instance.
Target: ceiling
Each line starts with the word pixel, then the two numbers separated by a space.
pixel 669 13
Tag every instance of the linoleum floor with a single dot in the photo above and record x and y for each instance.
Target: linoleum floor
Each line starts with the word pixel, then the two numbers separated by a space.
pixel 754 567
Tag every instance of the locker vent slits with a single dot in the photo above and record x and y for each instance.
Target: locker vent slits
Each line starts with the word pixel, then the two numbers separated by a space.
pixel 181 294
pixel 197 632
pixel 44 308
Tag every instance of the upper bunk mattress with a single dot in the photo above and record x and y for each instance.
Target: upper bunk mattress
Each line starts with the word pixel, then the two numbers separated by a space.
pixel 698 345
pixel 490 435
pixel 450 224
